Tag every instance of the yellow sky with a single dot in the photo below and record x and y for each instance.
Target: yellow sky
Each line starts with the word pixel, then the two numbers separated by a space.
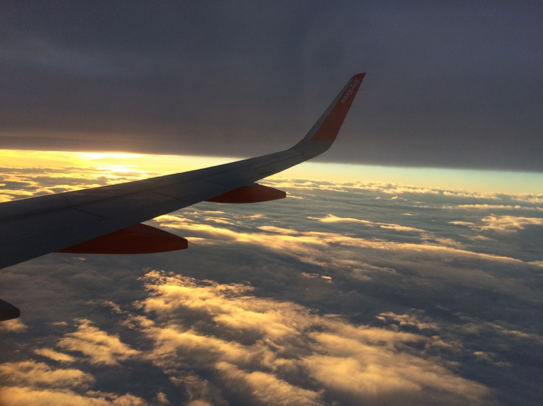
pixel 452 179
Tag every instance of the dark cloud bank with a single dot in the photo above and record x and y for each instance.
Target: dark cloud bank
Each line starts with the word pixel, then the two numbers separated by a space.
pixel 343 294
pixel 452 84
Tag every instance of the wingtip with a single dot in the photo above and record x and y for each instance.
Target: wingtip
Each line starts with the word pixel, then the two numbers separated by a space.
pixel 328 126
pixel 359 76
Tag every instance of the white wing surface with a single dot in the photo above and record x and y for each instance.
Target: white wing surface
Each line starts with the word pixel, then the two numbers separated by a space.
pixel 89 220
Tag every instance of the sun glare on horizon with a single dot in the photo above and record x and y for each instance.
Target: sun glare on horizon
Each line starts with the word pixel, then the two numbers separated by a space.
pixel 144 165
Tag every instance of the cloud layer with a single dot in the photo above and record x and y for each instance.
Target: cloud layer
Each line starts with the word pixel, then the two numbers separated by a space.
pixel 344 294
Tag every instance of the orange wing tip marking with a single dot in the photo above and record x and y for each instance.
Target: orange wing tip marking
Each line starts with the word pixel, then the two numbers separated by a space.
pixel 138 239
pixel 249 194
pixel 331 125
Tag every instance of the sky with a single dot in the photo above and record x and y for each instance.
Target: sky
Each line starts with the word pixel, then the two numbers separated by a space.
pixel 449 84
pixel 345 293
pixel 405 265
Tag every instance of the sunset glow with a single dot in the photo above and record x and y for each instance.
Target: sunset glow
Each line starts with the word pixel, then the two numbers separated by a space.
pixel 115 166
pixel 147 258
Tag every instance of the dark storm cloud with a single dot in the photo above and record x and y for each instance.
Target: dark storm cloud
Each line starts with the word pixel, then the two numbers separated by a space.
pixel 451 84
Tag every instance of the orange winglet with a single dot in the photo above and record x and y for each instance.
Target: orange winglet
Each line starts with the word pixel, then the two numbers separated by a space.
pixel 138 239
pixel 249 194
pixel 331 125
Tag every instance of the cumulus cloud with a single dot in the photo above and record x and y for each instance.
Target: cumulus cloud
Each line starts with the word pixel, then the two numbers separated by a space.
pixel 36 373
pixel 372 376
pixel 98 346
pixel 45 397
pixel 14 325
pixel 273 352
pixel 266 388
pixel 39 383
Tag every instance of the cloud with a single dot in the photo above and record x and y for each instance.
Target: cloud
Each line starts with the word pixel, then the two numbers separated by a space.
pixel 45 397
pixel 308 245
pixel 509 223
pixel 39 383
pixel 54 355
pixel 357 262
pixel 330 218
pixel 368 377
pixel 491 207
pixel 99 346
pixel 263 335
pixel 15 325
pixel 39 373
pixel 479 327
pixel 402 320
pixel 501 224
pixel 490 358
pixel 18 183
pixel 270 301
pixel 267 388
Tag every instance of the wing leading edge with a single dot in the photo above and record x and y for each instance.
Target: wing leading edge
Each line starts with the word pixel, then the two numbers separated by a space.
pixel 37 226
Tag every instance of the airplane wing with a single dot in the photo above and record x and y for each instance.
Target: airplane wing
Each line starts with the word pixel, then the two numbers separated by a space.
pixel 107 219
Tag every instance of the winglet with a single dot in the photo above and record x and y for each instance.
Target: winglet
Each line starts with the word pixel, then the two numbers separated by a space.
pixel 328 125
pixel 324 131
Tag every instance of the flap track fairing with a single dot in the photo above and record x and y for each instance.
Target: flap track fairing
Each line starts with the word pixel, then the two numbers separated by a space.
pixel 138 239
pixel 249 194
